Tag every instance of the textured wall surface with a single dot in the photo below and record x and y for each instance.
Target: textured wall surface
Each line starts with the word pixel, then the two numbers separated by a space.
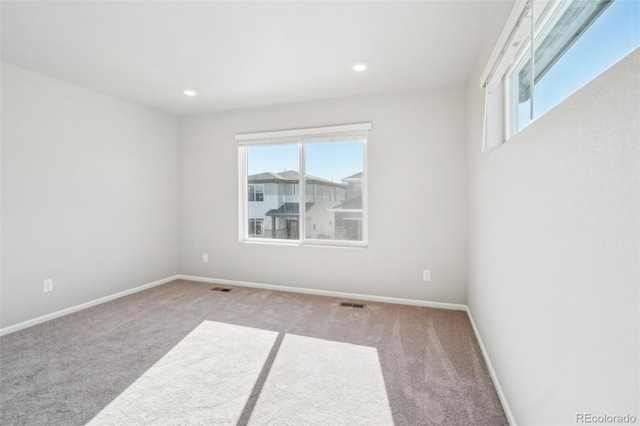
pixel 554 249
pixel 89 195
pixel 417 199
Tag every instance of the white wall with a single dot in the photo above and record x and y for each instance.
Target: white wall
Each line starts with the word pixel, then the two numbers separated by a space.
pixel 554 252
pixel 417 199
pixel 89 195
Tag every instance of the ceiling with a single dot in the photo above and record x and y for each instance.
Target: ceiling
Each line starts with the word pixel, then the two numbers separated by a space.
pixel 246 54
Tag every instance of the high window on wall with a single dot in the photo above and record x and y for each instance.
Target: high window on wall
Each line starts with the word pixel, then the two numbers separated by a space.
pixel 310 183
pixel 548 50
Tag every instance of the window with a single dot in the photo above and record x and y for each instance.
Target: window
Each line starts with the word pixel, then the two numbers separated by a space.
pixel 256 192
pixel 299 170
pixel 574 42
pixel 580 40
pixel 256 226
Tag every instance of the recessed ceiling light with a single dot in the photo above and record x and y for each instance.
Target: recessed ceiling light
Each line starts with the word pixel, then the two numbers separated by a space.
pixel 190 92
pixel 359 67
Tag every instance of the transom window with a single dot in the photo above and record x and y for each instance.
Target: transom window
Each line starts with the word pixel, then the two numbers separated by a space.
pixel 548 50
pixel 576 42
pixel 311 184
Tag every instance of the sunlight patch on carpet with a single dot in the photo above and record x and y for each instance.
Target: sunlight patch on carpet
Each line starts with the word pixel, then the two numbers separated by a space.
pixel 321 382
pixel 204 379
pixel 208 377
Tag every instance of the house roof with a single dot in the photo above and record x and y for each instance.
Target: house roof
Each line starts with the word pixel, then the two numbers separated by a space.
pixel 265 177
pixel 288 209
pixel 352 203
pixel 353 178
pixel 290 176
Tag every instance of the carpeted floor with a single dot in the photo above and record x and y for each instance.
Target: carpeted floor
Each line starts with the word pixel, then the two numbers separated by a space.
pixel 427 361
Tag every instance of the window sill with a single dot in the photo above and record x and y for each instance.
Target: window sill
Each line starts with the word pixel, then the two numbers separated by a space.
pixel 307 243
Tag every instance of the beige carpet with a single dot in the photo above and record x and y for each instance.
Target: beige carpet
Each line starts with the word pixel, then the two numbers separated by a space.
pixel 320 382
pixel 183 354
pixel 204 379
pixel 209 376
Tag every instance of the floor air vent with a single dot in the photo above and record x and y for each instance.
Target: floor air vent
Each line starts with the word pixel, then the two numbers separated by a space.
pixel 353 305
pixel 220 289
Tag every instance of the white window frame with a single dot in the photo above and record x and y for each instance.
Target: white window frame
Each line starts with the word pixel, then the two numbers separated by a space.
pixel 529 20
pixel 551 11
pixel 298 137
pixel 545 11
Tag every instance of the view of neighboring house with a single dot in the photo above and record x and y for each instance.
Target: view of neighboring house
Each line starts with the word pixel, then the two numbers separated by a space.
pixel 273 208
pixel 348 215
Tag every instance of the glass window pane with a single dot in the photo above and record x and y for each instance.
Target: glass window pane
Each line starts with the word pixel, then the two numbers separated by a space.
pixel 334 208
pixel 273 171
pixel 614 34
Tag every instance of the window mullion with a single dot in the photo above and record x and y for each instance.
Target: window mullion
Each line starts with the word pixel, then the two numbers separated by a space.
pixel 303 191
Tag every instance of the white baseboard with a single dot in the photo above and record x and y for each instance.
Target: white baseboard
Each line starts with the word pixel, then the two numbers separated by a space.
pixel 384 299
pixel 494 377
pixel 63 312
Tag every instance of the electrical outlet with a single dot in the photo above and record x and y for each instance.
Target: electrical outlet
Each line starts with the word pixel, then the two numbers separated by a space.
pixel 205 257
pixel 426 275
pixel 48 285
